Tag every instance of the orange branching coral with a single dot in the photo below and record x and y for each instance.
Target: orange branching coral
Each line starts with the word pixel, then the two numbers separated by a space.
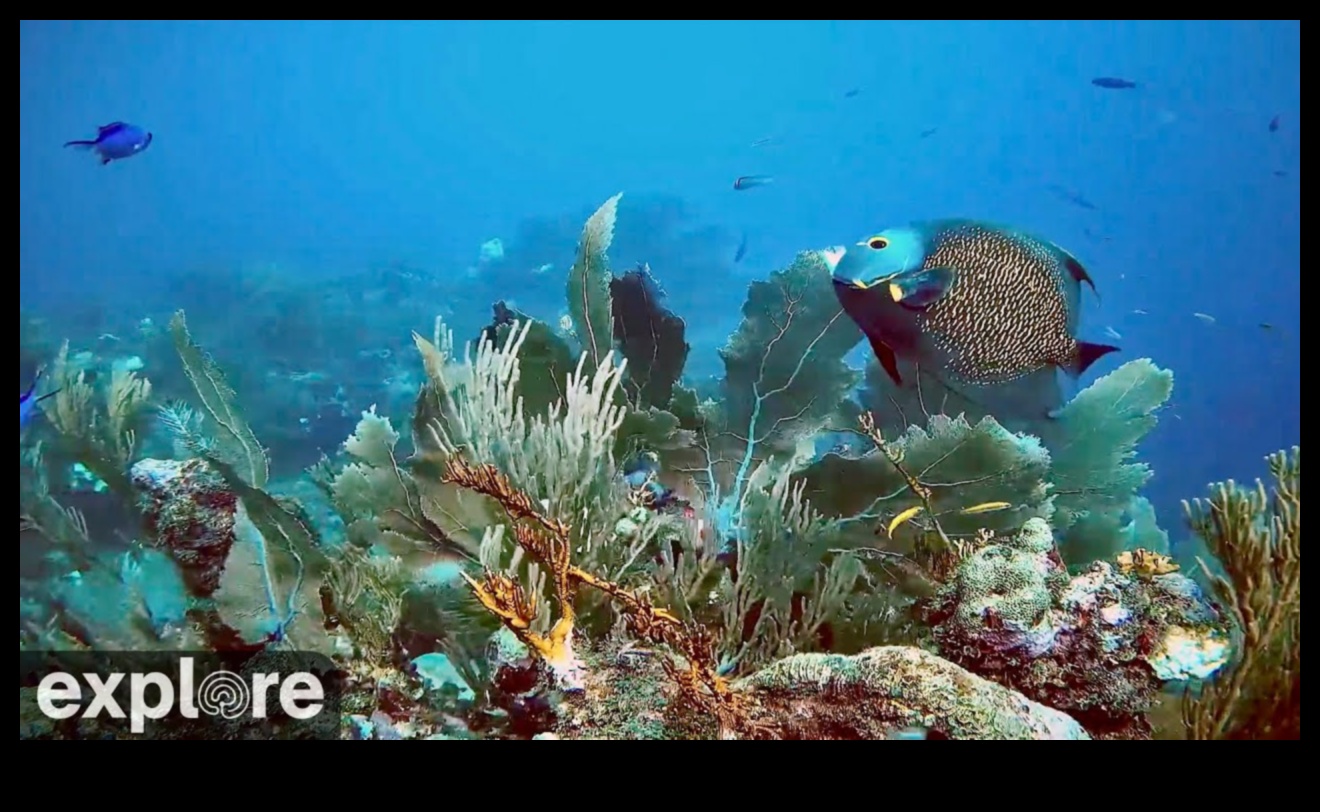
pixel 1144 562
pixel 546 539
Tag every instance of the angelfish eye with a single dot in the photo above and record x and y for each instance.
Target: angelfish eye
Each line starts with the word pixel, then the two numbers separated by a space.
pixel 877 243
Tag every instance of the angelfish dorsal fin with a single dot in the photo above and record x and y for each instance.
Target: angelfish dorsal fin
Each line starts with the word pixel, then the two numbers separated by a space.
pixel 1078 273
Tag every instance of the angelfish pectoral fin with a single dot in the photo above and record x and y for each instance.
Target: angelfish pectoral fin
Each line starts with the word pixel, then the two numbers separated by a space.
pixel 888 361
pixel 923 289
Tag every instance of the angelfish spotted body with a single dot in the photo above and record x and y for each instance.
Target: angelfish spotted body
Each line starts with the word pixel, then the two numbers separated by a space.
pixel 972 302
pixel 115 142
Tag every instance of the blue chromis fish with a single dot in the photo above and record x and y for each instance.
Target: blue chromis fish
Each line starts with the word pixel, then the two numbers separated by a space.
pixel 971 302
pixel 27 402
pixel 115 142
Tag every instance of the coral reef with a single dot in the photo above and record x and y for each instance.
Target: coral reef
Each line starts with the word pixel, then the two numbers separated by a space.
pixel 594 546
pixel 1099 645
pixel 805 696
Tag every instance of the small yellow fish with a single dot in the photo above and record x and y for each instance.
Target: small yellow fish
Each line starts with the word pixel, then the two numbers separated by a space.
pixel 985 507
pixel 901 518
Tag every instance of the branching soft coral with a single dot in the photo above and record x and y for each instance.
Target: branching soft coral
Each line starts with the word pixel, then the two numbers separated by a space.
pixel 1257 537
pixel 99 428
pixel 363 595
pixel 547 540
pixel 63 527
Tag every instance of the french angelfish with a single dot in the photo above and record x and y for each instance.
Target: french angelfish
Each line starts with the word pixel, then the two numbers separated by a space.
pixel 973 303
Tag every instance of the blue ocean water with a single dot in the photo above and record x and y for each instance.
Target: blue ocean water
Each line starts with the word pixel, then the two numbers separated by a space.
pixel 324 148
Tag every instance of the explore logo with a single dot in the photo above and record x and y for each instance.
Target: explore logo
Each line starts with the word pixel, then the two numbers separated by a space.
pixel 193 695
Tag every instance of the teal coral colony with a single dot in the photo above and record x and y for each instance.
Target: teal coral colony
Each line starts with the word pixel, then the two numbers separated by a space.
pixel 567 538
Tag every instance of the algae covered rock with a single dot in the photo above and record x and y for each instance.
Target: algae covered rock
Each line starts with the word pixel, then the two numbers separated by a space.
pixel 888 692
pixel 880 691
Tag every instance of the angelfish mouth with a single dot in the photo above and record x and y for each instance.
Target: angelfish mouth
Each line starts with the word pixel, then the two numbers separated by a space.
pixel 854 284
pixel 862 284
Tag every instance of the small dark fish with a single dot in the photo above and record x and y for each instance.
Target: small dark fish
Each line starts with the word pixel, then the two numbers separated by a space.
pixel 763 142
pixel 852 94
pixel 116 141
pixel 752 181
pixel 930 132
pixel 979 304
pixel 1274 123
pixel 1265 325
pixel 1113 83
pixel 742 249
pixel 1072 197
pixel 1279 173
pixel 27 403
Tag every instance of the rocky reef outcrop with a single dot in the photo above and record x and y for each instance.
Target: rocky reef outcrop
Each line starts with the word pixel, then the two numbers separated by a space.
pixel 1098 645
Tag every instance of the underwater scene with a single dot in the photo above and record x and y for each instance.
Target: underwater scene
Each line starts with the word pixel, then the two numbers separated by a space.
pixel 546 380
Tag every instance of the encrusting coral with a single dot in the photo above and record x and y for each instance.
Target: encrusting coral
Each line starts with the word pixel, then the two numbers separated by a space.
pixel 1099 645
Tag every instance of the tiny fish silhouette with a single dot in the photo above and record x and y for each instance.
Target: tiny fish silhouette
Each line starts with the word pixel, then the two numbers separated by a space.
pixel 751 181
pixel 115 142
pixel 742 249
pixel 1113 83
pixel 27 403
pixel 1072 197
pixel 1274 123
